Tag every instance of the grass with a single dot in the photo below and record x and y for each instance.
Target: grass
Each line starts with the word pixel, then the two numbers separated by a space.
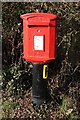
pixel 7 107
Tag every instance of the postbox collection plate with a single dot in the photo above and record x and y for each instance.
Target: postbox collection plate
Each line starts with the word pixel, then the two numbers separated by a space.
pixel 38 42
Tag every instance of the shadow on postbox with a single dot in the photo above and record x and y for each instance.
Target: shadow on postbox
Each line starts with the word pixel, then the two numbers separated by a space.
pixel 39 36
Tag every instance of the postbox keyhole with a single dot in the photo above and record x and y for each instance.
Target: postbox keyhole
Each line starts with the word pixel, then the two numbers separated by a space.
pixel 38 31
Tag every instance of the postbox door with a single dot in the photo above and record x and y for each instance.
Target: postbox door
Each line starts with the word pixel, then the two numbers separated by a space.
pixel 39 42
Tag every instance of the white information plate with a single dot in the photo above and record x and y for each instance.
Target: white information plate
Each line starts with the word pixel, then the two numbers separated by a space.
pixel 38 42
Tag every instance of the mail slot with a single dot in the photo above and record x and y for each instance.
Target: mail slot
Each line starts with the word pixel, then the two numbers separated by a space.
pixel 39 43
pixel 39 47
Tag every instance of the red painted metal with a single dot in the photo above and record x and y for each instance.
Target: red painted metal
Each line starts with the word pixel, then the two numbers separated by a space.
pixel 39 36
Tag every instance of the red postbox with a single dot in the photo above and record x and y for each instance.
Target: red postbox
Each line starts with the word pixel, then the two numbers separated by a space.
pixel 39 47
pixel 39 31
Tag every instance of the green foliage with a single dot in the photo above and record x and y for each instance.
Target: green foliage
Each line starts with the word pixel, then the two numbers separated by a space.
pixel 69 109
pixel 15 80
pixel 67 105
pixel 7 107
pixel 74 116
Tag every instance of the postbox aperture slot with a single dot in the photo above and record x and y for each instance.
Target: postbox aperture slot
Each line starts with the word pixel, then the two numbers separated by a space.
pixel 38 43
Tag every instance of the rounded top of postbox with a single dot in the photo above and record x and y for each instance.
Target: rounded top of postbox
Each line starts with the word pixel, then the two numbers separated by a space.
pixel 39 16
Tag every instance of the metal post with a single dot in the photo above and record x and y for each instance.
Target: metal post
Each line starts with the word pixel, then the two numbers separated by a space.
pixel 39 83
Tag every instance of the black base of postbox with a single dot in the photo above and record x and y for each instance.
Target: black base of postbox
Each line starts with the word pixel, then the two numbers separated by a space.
pixel 39 84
